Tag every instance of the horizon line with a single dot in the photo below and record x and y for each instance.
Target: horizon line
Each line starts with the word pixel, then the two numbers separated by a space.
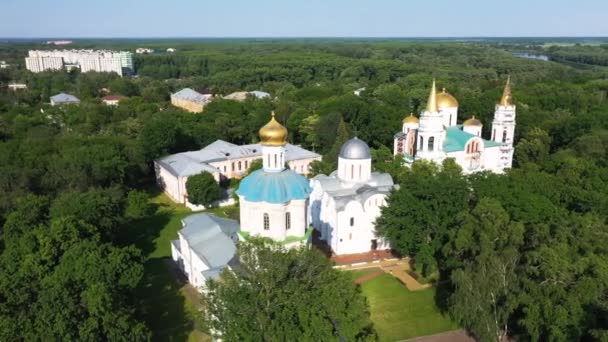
pixel 298 37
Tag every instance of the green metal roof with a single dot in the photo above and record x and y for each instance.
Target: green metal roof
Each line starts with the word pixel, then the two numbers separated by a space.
pixel 456 139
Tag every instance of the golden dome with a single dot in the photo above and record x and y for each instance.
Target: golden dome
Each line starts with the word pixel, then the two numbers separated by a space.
pixel 411 119
pixel 446 100
pixel 472 122
pixel 273 133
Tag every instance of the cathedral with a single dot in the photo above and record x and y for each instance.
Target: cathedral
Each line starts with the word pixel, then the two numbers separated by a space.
pixel 435 136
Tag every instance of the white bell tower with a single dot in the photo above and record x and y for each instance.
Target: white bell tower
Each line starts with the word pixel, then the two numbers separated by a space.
pixel 503 127
pixel 431 132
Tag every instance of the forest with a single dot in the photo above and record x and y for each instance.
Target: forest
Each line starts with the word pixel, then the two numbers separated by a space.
pixel 524 254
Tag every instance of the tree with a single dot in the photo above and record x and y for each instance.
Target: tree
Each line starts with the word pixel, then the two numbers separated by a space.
pixel 279 294
pixel 202 189
pixel 138 205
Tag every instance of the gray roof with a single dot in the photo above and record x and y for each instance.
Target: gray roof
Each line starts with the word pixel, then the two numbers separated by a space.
pixel 342 193
pixel 259 94
pixel 64 98
pixel 355 149
pixel 212 238
pixel 191 95
pixel 194 162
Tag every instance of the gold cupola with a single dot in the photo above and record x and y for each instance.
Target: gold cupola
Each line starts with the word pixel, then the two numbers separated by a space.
pixel 431 104
pixel 446 100
pixel 472 122
pixel 273 133
pixel 411 119
pixel 507 98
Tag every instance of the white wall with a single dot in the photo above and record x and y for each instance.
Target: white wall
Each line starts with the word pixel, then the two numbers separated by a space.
pixel 252 218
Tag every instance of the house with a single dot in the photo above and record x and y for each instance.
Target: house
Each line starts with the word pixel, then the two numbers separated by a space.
pixel 224 161
pixel 242 95
pixel 16 86
pixel 143 51
pixel 190 100
pixel 63 99
pixel 205 246
pixel 3 65
pixel 171 50
pixel 112 100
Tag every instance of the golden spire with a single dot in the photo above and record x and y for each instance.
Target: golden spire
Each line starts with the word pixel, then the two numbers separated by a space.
pixel 431 105
pixel 506 98
pixel 273 133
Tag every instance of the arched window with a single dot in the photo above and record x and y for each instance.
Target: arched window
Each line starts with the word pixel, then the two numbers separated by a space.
pixel 360 172
pixel 239 166
pixel 352 171
pixel 494 134
pixel 352 221
pixel 275 160
pixel 246 164
pixel 431 143
pixel 421 143
pixel 504 136
pixel 233 166
pixel 224 168
pixel 450 123
pixel 287 220
pixel 269 160
pixel 282 160
pixel 266 221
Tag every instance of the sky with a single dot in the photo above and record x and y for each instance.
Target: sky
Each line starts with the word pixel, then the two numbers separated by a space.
pixel 302 18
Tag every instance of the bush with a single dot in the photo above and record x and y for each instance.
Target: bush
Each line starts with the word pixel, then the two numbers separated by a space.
pixel 138 205
pixel 202 189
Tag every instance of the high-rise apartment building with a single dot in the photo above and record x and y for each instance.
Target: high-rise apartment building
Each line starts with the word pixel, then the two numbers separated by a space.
pixel 120 62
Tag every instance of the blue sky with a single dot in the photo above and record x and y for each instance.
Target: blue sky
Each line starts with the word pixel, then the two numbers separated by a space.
pixel 302 18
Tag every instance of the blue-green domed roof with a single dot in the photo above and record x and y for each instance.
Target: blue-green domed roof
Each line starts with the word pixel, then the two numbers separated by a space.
pixel 274 187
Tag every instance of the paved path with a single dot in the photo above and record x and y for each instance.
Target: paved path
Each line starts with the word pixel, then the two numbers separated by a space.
pixel 450 336
pixel 398 268
pixel 368 277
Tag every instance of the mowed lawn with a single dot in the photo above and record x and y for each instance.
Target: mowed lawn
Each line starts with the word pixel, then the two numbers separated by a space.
pixel 170 311
pixel 399 313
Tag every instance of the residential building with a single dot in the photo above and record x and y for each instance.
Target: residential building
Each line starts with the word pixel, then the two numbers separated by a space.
pixel 63 99
pixel 171 50
pixel 120 62
pixel 143 51
pixel 16 86
pixel 224 161
pixel 112 100
pixel 190 100
pixel 242 95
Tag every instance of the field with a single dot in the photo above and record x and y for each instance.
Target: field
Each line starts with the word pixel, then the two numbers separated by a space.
pixel 400 314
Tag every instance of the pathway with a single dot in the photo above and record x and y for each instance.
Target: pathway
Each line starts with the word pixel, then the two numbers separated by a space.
pixel 368 277
pixel 450 336
pixel 398 268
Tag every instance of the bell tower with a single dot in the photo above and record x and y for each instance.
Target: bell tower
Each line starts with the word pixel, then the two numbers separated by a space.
pixel 503 126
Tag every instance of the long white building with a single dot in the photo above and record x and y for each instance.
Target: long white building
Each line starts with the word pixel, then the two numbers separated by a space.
pixel 119 62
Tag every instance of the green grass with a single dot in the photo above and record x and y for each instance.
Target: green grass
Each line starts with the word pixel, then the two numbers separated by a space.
pixel 169 311
pixel 364 271
pixel 399 313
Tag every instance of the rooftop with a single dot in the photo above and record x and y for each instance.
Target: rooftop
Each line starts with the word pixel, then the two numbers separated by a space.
pixel 342 193
pixel 456 139
pixel 191 95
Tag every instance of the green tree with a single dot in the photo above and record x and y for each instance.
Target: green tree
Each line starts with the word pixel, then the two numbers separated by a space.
pixel 203 189
pixel 279 294
pixel 138 205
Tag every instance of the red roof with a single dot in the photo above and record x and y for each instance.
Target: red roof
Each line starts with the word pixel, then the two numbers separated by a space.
pixel 113 98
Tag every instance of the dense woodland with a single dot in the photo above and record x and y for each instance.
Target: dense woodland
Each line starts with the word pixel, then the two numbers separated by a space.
pixel 523 254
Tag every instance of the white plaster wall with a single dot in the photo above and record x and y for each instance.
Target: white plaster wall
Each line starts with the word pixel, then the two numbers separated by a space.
pixel 252 218
pixel 449 116
pixel 354 170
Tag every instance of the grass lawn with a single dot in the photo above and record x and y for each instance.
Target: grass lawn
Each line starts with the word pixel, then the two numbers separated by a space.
pixel 169 310
pixel 399 313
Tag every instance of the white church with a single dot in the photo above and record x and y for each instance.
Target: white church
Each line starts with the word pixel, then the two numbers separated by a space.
pixel 436 136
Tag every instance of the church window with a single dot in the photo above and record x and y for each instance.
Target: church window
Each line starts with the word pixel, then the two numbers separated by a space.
pixel 269 160
pixel 494 134
pixel 224 168
pixel 360 172
pixel 266 221
pixel 275 160
pixel 287 221
pixel 233 166
pixel 421 143
pixel 504 136
pixel 239 166
pixel 450 123
pixel 431 143
pixel 352 171
pixel 246 164
pixel 352 221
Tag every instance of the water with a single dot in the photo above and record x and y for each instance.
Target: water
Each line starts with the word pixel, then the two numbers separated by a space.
pixel 531 56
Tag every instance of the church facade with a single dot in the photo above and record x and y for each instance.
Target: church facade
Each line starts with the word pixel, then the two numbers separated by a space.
pixel 435 136
pixel 345 204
